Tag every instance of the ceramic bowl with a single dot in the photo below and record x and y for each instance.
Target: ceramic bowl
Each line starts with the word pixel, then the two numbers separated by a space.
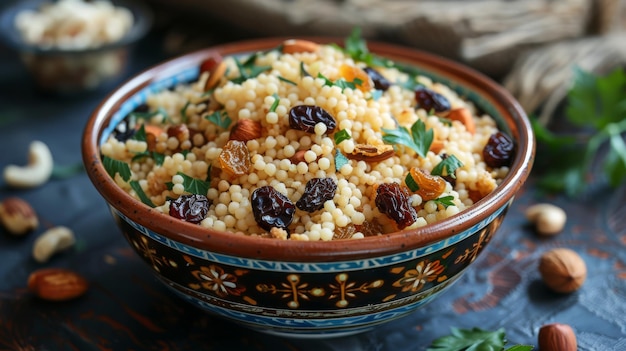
pixel 71 71
pixel 309 289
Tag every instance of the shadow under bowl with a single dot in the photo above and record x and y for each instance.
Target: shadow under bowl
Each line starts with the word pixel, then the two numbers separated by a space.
pixel 309 289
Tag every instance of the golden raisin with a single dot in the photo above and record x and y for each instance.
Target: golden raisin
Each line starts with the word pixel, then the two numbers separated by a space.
pixel 430 186
pixel 354 73
pixel 235 158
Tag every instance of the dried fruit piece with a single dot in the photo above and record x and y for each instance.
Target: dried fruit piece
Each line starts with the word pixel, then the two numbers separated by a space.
pixel 271 208
pixel 429 186
pixel 246 129
pixel 305 117
pixel 17 216
pixel 190 208
pixel 393 200
pixel 356 75
pixel 499 150
pixel 57 284
pixel 370 228
pixel 316 192
pixel 235 158
pixel 292 46
pixel 371 153
pixel 344 232
pixel 431 101
pixel 380 82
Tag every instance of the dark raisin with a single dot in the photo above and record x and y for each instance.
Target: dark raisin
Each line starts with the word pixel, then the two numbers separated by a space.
pixel 393 200
pixel 316 192
pixel 305 117
pixel 380 82
pixel 499 150
pixel 431 101
pixel 271 208
pixel 191 208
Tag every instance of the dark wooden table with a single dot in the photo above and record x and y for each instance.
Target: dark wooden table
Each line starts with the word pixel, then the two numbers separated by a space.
pixel 127 309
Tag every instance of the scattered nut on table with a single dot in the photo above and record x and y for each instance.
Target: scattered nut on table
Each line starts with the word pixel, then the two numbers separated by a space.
pixel 57 284
pixel 38 170
pixel 548 219
pixel 52 241
pixel 17 216
pixel 557 337
pixel 562 270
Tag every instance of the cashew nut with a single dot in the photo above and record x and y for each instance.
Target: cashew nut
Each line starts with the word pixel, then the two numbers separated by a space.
pixel 37 171
pixel 52 241
pixel 548 219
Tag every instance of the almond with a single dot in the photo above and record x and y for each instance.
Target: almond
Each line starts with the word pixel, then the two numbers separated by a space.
pixel 17 216
pixel 245 129
pixel 562 270
pixel 371 153
pixel 292 46
pixel 298 157
pixel 464 116
pixel 557 337
pixel 216 67
pixel 57 284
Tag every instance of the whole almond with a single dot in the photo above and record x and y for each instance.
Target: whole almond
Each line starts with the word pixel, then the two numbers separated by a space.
pixel 57 284
pixel 17 216
pixel 562 270
pixel 557 337
pixel 292 46
pixel 216 67
pixel 246 129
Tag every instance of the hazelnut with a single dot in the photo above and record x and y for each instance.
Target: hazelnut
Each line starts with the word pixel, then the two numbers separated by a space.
pixel 17 216
pixel 548 219
pixel 557 337
pixel 562 270
pixel 246 129
pixel 56 284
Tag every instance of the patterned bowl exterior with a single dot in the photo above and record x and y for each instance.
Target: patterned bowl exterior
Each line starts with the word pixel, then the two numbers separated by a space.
pixel 308 289
pixel 310 299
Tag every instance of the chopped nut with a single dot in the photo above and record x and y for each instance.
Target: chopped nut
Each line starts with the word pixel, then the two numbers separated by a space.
pixel 293 46
pixel 371 153
pixel 17 216
pixel 216 67
pixel 298 157
pixel 52 241
pixel 246 129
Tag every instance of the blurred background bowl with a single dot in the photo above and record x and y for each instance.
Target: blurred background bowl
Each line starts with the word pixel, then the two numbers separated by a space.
pixel 309 289
pixel 71 71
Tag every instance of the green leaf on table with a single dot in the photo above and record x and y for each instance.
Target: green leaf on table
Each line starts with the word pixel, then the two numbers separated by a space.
pixel 419 139
pixel 63 172
pixel 474 339
pixel 520 348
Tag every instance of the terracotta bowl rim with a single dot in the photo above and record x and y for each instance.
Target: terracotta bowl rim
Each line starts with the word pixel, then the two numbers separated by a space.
pixel 320 251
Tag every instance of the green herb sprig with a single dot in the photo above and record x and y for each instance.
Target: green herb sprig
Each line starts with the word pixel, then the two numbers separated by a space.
pixel 447 167
pixel 475 339
pixel 418 139
pixel 220 118
pixel 596 105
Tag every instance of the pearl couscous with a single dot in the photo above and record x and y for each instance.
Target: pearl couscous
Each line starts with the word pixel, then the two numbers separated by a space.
pixel 307 142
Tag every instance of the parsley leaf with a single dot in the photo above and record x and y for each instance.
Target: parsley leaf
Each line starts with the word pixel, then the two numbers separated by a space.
pixel 193 185
pixel 141 194
pixel 287 81
pixel 113 166
pixel 447 166
pixel 418 139
pixel 445 201
pixel 275 103
pixel 356 47
pixel 474 339
pixel 341 83
pixel 248 69
pixel 220 118
pixel 341 136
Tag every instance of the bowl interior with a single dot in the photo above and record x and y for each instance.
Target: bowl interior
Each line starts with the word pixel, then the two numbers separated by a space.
pixel 486 95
